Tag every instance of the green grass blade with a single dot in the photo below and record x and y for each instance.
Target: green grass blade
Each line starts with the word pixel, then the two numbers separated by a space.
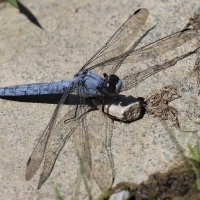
pixel 57 192
pixel 198 148
pixel 13 3
pixel 192 151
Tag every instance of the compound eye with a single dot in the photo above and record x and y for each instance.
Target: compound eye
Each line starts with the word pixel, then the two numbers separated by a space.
pixel 114 85
pixel 118 87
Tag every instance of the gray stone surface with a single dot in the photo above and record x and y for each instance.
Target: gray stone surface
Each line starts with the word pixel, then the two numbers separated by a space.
pixel 29 54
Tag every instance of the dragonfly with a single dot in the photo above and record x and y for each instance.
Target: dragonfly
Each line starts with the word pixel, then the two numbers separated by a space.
pixel 97 78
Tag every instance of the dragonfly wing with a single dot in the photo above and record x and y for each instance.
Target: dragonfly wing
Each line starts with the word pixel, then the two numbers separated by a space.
pixel 62 132
pixel 132 80
pixel 93 146
pixel 120 40
pixel 82 146
pixel 37 155
pixel 161 46
pixel 154 50
pixel 150 51
pixel 100 130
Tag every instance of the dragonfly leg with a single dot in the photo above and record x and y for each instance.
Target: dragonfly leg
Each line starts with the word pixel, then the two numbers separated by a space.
pixel 106 76
pixel 103 104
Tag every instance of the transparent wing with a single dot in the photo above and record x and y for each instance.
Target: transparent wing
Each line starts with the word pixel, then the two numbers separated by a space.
pixel 161 46
pixel 93 146
pixel 82 145
pixel 154 50
pixel 37 155
pixel 133 79
pixel 102 160
pixel 98 138
pixel 57 139
pixel 120 40
pixel 151 51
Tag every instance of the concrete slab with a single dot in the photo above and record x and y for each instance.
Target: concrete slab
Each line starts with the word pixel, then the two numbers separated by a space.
pixel 30 54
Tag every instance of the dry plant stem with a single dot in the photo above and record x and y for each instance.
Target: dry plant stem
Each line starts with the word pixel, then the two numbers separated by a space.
pixel 196 70
pixel 157 104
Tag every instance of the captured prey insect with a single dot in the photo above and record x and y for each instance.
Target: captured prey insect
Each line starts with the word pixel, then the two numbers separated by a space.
pixel 93 152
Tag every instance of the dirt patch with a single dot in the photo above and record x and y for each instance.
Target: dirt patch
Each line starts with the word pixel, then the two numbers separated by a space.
pixel 179 184
pixel 157 104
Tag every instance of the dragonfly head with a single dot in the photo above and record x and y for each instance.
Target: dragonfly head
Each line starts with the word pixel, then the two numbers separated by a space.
pixel 112 85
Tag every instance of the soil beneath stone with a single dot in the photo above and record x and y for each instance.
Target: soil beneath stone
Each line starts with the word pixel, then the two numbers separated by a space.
pixel 179 184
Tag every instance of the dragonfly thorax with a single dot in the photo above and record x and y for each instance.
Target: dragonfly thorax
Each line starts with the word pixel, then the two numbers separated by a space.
pixel 112 84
